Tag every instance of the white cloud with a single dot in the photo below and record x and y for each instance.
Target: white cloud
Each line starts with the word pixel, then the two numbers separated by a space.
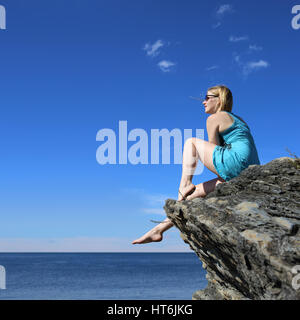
pixel 212 68
pixel 249 66
pixel 258 64
pixel 165 65
pixel 224 8
pixel 215 26
pixel 152 50
pixel 237 58
pixel 221 12
pixel 237 39
pixel 254 47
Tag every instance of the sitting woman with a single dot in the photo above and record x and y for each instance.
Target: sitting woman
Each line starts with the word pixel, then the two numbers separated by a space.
pixel 230 150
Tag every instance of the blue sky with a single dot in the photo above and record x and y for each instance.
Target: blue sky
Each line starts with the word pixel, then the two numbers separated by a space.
pixel 72 68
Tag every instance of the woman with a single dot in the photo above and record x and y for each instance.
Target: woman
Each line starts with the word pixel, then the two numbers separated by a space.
pixel 230 150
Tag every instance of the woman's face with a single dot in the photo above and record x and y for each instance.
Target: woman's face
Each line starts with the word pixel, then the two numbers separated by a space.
pixel 211 102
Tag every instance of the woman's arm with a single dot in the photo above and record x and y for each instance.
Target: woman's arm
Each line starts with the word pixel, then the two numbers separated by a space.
pixel 212 127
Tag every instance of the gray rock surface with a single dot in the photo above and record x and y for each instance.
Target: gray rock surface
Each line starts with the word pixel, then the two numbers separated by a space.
pixel 246 233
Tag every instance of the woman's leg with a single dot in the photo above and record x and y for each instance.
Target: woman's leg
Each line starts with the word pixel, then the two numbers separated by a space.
pixel 194 150
pixel 156 234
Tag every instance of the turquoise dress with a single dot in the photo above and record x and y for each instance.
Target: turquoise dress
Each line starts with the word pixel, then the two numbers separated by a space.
pixel 237 150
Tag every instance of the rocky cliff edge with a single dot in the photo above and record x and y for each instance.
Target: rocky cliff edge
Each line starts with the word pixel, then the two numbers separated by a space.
pixel 246 233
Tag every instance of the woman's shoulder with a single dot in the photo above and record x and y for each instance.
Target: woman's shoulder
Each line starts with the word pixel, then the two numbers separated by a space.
pixel 224 120
pixel 240 119
pixel 218 116
pixel 226 114
pixel 223 115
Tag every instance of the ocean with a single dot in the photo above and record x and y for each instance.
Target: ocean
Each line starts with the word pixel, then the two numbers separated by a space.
pixel 101 276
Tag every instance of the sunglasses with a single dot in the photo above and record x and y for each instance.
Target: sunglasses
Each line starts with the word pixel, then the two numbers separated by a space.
pixel 208 96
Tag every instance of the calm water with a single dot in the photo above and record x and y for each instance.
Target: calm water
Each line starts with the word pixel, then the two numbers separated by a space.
pixel 104 276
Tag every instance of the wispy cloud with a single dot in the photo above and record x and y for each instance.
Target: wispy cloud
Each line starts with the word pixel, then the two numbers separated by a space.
pixel 257 64
pixel 249 66
pixel 220 12
pixel 215 26
pixel 212 68
pixel 224 8
pixel 165 65
pixel 237 58
pixel 152 50
pixel 254 47
pixel 237 39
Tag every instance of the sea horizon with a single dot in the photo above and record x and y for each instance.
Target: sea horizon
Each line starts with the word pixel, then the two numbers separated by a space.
pixel 101 275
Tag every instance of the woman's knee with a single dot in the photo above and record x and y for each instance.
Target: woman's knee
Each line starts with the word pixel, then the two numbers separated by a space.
pixel 192 140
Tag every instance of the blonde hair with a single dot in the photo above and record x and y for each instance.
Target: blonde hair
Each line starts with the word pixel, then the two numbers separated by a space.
pixel 225 95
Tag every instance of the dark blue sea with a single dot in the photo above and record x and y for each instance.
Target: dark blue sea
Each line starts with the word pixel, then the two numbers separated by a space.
pixel 102 276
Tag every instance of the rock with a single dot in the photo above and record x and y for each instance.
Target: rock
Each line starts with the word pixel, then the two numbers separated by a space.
pixel 246 233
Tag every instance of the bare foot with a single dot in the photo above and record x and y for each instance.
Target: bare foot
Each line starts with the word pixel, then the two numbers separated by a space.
pixel 198 193
pixel 185 191
pixel 153 235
